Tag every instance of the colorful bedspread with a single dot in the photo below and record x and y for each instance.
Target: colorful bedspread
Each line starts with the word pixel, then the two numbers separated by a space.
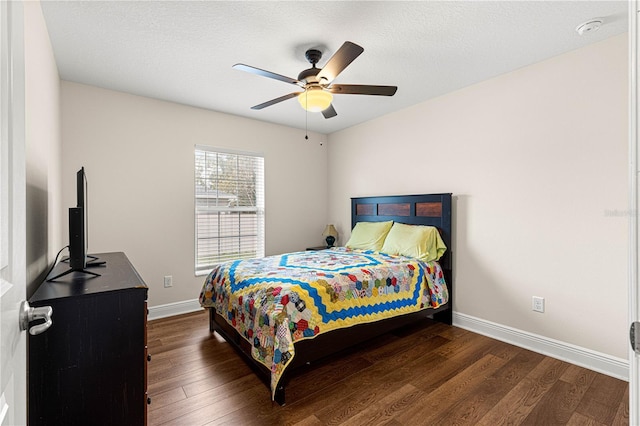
pixel 275 301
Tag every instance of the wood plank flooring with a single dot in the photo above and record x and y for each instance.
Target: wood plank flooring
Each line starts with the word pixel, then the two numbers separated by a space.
pixel 427 374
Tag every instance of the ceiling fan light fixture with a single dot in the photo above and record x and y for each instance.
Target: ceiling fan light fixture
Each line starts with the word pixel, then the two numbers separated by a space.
pixel 315 99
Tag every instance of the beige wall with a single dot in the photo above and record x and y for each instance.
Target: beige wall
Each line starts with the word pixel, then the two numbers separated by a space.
pixel 537 162
pixel 139 158
pixel 43 147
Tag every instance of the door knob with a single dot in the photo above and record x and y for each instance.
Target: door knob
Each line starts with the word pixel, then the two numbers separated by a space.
pixel 29 314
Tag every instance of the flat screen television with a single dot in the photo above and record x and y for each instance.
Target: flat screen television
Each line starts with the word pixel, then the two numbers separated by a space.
pixel 78 258
pixel 77 226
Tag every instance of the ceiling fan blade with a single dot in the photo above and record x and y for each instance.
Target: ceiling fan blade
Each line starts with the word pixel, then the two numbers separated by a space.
pixel 359 89
pixel 329 112
pixel 264 73
pixel 276 100
pixel 340 60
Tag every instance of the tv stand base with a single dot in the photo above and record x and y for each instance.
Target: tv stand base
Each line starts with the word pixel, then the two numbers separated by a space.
pixel 91 261
pixel 68 271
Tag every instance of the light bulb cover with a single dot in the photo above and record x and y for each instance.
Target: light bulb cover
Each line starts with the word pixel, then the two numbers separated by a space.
pixel 315 99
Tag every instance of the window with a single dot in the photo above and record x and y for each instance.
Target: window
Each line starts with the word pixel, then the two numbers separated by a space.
pixel 229 206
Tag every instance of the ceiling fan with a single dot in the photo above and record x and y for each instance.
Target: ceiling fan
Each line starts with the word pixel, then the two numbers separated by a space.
pixel 316 82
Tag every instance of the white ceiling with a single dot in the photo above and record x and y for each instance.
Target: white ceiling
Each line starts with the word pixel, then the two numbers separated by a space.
pixel 182 51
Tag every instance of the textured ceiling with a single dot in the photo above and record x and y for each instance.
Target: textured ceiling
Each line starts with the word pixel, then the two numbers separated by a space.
pixel 183 51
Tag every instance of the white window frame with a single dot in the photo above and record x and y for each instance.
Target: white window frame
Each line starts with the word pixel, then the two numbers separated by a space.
pixel 219 210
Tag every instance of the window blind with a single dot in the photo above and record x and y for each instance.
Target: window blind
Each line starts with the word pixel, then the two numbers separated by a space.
pixel 229 207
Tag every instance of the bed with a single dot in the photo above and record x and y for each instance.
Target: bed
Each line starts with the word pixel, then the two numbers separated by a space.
pixel 284 313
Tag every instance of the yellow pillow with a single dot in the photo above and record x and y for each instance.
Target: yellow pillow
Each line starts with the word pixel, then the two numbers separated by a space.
pixel 418 241
pixel 369 235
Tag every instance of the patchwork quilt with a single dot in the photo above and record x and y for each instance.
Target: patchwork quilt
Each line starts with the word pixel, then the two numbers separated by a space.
pixel 278 300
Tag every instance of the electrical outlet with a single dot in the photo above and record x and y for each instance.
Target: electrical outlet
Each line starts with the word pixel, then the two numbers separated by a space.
pixel 168 281
pixel 538 304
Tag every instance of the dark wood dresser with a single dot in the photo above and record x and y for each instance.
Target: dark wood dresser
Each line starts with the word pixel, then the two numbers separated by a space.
pixel 90 366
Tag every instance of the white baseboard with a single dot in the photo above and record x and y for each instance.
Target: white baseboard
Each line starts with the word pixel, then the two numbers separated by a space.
pixel 602 363
pixel 171 309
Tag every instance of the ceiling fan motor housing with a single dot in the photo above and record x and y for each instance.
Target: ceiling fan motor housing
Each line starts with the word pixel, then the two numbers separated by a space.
pixel 308 75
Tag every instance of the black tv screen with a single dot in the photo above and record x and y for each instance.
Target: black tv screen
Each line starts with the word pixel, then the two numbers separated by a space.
pixel 77 226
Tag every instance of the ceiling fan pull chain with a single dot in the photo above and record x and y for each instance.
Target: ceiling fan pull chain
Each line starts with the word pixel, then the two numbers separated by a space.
pixel 306 118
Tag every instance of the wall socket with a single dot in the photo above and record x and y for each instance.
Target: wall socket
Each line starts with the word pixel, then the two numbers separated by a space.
pixel 168 281
pixel 538 304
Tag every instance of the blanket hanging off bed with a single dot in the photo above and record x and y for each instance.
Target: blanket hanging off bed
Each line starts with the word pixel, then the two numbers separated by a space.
pixel 275 301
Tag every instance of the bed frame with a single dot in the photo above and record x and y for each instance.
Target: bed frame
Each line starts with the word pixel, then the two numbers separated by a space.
pixel 428 209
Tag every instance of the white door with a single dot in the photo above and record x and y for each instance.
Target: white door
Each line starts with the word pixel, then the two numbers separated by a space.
pixel 13 355
pixel 634 222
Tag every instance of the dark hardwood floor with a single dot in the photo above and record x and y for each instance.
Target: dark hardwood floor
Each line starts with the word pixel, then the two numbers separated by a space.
pixel 428 374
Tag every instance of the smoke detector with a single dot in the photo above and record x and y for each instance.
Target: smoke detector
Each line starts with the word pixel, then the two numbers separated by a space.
pixel 589 27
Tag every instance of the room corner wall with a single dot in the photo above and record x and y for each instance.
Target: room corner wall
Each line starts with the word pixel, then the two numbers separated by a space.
pixel 537 162
pixel 43 147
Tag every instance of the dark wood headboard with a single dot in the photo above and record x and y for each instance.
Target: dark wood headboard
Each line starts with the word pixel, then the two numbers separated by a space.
pixel 426 209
